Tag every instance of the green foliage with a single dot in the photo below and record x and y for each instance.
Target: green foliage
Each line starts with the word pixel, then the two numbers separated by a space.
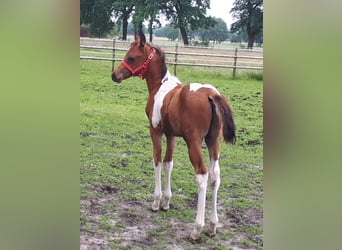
pixel 131 29
pixel 249 15
pixel 218 32
pixel 122 8
pixel 238 37
pixel 249 18
pixel 86 11
pixel 168 31
pixel 122 11
pixel 187 12
pixel 187 15
pixel 97 14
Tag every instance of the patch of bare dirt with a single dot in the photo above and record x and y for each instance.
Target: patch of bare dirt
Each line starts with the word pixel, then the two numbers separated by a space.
pixel 133 225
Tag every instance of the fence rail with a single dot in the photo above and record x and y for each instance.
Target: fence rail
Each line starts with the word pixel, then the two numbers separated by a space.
pixel 230 58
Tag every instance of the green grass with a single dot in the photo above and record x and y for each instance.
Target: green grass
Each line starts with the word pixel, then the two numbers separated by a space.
pixel 116 174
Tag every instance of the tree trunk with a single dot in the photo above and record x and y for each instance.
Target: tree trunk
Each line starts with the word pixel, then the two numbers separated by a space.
pixel 184 35
pixel 124 27
pixel 138 27
pixel 251 38
pixel 150 29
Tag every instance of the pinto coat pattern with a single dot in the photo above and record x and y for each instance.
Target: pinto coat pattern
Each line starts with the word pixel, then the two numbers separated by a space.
pixel 193 111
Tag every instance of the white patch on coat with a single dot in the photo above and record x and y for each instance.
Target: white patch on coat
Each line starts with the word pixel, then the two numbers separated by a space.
pixel 169 82
pixel 195 86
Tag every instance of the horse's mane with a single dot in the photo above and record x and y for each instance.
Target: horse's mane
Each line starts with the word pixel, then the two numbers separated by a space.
pixel 161 55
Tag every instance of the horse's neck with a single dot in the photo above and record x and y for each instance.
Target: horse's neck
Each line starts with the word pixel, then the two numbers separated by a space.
pixel 153 84
pixel 154 81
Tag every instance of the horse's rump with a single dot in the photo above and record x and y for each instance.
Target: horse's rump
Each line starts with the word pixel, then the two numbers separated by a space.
pixel 189 112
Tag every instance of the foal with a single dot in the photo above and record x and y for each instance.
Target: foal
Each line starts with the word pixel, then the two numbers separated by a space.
pixel 194 112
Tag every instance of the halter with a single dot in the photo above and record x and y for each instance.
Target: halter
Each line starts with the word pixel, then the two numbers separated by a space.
pixel 143 67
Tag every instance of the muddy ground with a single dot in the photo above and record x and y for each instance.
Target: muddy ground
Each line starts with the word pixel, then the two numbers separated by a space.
pixel 135 226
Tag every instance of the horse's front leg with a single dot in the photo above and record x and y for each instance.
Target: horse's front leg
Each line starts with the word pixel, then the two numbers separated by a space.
pixel 157 165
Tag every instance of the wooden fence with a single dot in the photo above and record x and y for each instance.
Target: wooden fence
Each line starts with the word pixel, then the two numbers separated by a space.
pixel 211 56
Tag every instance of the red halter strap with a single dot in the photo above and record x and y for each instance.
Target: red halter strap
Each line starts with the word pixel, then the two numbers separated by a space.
pixel 143 67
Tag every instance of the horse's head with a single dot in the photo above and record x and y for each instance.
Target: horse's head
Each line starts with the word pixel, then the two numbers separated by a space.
pixel 134 63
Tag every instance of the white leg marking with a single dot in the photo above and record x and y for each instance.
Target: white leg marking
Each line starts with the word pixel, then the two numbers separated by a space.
pixel 168 166
pixel 157 188
pixel 215 181
pixel 202 181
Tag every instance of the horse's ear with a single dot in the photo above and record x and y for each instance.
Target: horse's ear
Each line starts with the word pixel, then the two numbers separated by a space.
pixel 140 38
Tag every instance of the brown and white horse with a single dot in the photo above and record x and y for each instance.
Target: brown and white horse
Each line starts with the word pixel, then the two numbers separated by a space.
pixel 193 111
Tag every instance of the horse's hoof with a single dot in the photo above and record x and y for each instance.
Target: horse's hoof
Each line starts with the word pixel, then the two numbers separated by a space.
pixel 194 238
pixel 165 208
pixel 211 233
pixel 196 233
pixel 155 206
pixel 211 230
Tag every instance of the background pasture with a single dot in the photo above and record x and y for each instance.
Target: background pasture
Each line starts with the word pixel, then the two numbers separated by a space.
pixel 117 179
pixel 224 55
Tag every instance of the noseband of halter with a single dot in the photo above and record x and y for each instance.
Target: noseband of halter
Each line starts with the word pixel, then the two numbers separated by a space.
pixel 143 67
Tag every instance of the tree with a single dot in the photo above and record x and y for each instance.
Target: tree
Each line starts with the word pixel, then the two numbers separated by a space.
pixel 168 31
pixel 123 11
pixel 139 15
pixel 131 29
pixel 97 13
pixel 249 15
pixel 238 37
pixel 86 9
pixel 218 32
pixel 140 10
pixel 152 14
pixel 187 15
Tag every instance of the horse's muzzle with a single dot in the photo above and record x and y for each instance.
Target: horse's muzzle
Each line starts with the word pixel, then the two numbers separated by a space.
pixel 115 78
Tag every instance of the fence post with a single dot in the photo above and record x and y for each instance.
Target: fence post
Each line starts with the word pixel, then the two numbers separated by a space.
pixel 113 59
pixel 235 59
pixel 176 56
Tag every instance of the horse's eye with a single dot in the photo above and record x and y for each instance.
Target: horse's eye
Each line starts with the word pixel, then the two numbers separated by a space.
pixel 130 59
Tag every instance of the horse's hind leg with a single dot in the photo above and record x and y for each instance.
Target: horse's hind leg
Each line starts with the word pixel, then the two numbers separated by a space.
pixel 202 180
pixel 214 174
pixel 168 166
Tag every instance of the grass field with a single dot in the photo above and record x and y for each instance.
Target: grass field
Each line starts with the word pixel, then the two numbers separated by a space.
pixel 117 178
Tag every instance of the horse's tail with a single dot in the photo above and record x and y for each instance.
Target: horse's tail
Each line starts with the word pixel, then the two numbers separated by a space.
pixel 220 104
